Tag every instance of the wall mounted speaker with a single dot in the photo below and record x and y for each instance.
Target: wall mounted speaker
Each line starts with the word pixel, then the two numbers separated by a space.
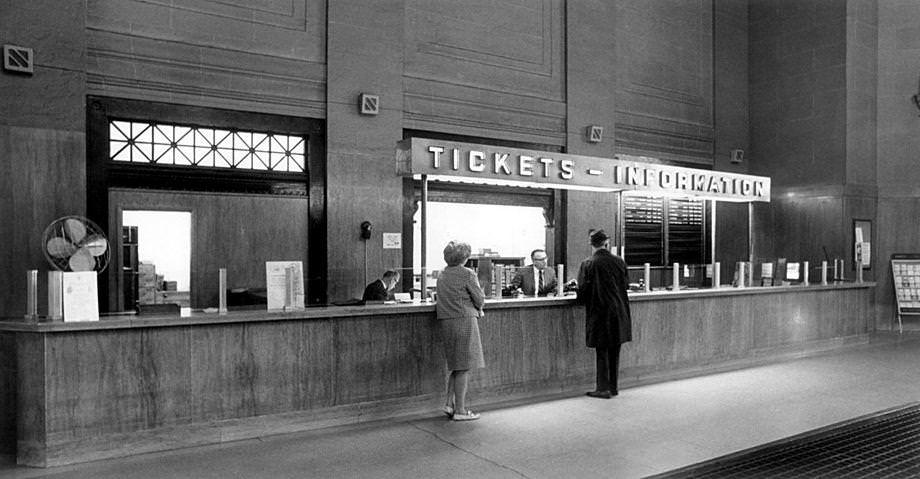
pixel 369 104
pixel 595 134
pixel 737 156
pixel 18 59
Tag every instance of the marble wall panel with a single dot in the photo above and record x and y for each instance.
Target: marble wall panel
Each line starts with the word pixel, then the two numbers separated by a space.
pixel 365 44
pixel 266 57
pixel 797 52
pixel 896 232
pixel 493 69
pixel 117 381
pixel 44 182
pixel 8 382
pixel 664 82
pixel 374 359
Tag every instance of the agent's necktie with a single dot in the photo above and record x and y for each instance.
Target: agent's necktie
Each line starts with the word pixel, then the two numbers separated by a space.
pixel 540 287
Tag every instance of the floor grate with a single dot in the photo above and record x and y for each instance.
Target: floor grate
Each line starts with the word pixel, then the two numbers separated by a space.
pixel 881 445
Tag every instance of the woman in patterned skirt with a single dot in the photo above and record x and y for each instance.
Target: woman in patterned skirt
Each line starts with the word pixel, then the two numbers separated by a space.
pixel 459 307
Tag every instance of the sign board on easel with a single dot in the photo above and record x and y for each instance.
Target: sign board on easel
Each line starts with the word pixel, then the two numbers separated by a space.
pixel 905 273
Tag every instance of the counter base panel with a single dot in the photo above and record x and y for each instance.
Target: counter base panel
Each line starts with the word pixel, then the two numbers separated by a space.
pixel 92 394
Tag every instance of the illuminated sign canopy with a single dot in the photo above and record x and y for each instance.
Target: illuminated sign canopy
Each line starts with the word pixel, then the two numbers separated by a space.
pixel 494 165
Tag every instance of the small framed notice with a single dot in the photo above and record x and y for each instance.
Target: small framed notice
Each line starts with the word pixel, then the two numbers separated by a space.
pixel 80 299
pixel 792 271
pixel 392 240
pixel 284 285
pixel 862 239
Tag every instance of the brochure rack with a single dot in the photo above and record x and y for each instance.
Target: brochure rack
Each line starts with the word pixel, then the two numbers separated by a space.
pixel 905 271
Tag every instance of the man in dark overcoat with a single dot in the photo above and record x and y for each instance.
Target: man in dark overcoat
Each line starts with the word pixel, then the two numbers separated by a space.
pixel 602 285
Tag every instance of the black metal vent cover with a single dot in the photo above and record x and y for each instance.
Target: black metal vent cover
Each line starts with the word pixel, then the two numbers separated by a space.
pixel 884 444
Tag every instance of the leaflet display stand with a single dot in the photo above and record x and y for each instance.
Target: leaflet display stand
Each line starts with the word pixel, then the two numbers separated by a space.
pixel 905 270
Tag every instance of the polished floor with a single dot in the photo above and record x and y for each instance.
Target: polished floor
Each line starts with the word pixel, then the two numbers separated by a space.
pixel 646 430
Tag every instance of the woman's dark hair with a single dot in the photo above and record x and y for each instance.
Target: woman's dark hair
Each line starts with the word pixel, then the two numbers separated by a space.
pixel 456 253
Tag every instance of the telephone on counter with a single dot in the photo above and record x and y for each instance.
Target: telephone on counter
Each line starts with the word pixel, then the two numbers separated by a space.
pixel 637 286
pixel 570 286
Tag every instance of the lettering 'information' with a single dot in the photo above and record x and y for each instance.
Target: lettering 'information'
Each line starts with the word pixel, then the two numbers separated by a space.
pixel 487 164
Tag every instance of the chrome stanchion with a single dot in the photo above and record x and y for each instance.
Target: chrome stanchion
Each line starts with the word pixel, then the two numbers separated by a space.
pixel 32 295
pixel 222 301
pixel 675 277
pixel 647 275
pixel 55 295
pixel 560 279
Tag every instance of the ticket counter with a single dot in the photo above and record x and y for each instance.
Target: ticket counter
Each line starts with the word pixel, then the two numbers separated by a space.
pixel 126 385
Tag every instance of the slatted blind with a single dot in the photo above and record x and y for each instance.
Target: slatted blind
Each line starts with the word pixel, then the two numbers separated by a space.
pixel 685 231
pixel 644 229
pixel 661 231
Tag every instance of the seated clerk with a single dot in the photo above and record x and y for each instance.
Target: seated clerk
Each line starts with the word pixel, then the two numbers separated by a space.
pixel 380 290
pixel 535 277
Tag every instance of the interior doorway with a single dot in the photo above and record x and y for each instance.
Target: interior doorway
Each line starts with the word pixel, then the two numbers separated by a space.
pixel 156 258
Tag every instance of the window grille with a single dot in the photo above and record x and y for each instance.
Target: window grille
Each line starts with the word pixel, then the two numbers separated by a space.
pixel 170 144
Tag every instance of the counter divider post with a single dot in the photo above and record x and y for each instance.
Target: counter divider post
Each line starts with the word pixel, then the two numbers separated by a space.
pixel 859 272
pixel 716 274
pixel 675 277
pixel 222 297
pixel 288 288
pixel 824 273
pixel 424 256
pixel 741 274
pixel 31 295
pixel 712 239
pixel 560 279
pixel 56 296
pixel 647 274
pixel 805 273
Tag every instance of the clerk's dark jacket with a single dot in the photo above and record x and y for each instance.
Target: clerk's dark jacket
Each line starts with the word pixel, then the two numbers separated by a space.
pixel 523 278
pixel 375 291
pixel 602 284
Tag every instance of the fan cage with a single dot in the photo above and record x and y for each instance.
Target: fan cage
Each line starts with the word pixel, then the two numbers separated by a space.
pixel 63 239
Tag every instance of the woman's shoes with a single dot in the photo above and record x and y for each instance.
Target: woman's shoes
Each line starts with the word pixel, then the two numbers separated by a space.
pixel 448 411
pixel 465 416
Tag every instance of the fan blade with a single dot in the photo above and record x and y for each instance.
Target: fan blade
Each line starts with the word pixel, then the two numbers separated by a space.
pixel 75 229
pixel 96 244
pixel 60 247
pixel 82 260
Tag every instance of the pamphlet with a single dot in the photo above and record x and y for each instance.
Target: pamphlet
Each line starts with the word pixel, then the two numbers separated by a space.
pixel 792 271
pixel 392 240
pixel 863 253
pixel 284 285
pixel 81 302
